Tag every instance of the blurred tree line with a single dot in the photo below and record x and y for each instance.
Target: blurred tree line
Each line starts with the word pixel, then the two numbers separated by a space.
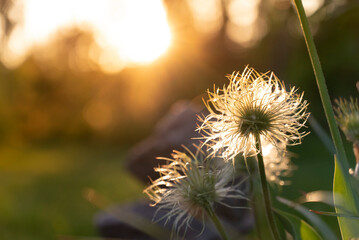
pixel 60 94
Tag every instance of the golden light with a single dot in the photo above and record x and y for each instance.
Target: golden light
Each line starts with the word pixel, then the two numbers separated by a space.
pixel 146 34
pixel 98 115
pixel 243 12
pixel 207 15
pixel 127 31
pixel 311 6
pixel 244 27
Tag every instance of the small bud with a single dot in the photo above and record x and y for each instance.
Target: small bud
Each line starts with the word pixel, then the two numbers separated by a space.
pixel 347 115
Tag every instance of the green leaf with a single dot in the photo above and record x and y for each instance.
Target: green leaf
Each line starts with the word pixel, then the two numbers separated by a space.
pixel 299 229
pixel 312 218
pixel 345 197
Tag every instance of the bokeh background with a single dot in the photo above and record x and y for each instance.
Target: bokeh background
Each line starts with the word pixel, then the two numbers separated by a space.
pixel 82 81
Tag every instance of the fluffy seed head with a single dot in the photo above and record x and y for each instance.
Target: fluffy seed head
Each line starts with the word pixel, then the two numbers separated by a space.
pixel 253 104
pixel 190 184
pixel 347 115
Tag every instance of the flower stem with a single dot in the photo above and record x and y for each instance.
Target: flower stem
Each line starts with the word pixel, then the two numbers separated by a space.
pixel 217 223
pixel 265 190
pixel 323 91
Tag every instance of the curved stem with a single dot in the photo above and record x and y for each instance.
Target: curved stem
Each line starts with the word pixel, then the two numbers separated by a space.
pixel 265 189
pixel 323 91
pixel 217 223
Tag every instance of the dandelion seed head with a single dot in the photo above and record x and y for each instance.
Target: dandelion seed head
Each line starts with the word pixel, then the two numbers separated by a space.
pixel 253 104
pixel 191 183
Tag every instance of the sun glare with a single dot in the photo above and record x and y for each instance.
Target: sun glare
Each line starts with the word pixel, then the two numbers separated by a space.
pixel 127 31
pixel 147 34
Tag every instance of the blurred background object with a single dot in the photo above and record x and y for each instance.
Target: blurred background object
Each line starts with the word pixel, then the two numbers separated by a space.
pixel 83 81
pixel 176 130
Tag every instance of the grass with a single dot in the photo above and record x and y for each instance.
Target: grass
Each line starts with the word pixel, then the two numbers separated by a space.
pixel 41 189
pixel 315 169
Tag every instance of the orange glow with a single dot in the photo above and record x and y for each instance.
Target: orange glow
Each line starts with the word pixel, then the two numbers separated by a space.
pixel 98 115
pixel 242 12
pixel 244 27
pixel 207 15
pixel 128 31
pixel 311 6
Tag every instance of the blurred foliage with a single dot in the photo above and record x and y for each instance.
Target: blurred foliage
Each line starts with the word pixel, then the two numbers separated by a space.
pixel 60 94
pixel 42 189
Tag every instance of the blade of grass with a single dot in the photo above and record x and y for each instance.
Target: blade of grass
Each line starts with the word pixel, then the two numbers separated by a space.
pixel 323 91
pixel 334 214
pixel 299 229
pixel 344 196
pixel 313 219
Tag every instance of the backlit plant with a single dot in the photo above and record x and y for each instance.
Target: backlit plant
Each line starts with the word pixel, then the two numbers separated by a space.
pixel 251 122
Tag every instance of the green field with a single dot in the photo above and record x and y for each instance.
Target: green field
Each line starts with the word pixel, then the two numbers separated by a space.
pixel 41 193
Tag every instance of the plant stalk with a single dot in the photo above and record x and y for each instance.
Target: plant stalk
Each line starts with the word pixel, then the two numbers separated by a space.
pixel 265 190
pixel 263 228
pixel 343 163
pixel 217 223
pixel 323 91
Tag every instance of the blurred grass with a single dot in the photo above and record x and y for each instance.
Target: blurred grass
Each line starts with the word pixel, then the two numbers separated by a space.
pixel 41 186
pixel 41 189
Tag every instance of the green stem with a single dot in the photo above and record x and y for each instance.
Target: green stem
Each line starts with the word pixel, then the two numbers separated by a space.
pixel 265 190
pixel 217 223
pixel 323 91
pixel 263 228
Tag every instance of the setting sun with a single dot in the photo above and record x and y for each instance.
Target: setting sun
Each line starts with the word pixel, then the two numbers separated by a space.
pixel 128 32
pixel 146 34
